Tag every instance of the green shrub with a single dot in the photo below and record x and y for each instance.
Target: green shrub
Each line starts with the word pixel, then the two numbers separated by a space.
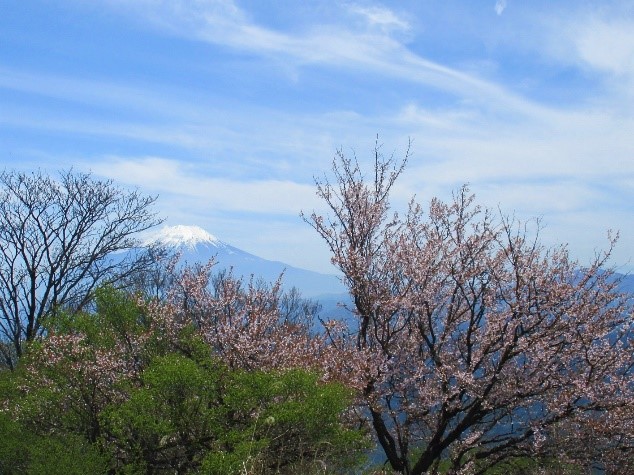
pixel 110 392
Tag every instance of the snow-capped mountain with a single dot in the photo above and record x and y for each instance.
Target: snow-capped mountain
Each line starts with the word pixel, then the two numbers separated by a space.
pixel 186 237
pixel 198 246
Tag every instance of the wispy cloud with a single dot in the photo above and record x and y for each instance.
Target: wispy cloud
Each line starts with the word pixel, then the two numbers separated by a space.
pixel 381 17
pixel 468 143
pixel 338 45
pixel 596 38
pixel 261 216
pixel 276 97
pixel 172 177
pixel 500 6
pixel 607 45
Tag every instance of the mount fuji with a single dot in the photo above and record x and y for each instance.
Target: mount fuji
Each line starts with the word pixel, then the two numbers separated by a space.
pixel 195 245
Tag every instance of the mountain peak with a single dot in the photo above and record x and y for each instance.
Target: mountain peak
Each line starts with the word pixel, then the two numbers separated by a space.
pixel 195 245
pixel 181 235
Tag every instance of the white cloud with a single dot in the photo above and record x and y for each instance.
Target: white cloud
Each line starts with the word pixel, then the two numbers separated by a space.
pixel 520 153
pixel 273 228
pixel 607 45
pixel 381 17
pixel 592 38
pixel 173 178
pixel 338 45
pixel 500 6
pixel 538 198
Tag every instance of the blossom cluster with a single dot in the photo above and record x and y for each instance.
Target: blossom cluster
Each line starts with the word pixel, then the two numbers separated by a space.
pixel 476 339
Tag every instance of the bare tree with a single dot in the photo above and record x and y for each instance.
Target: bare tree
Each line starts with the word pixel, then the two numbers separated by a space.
pixel 155 278
pixel 474 343
pixel 59 239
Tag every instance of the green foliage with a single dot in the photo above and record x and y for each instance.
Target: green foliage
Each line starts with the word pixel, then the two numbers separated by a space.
pixel 280 420
pixel 189 414
pixel 13 443
pixel 117 318
pixel 24 452
pixel 534 465
pixel 69 377
pixel 67 455
pixel 107 392
pixel 171 419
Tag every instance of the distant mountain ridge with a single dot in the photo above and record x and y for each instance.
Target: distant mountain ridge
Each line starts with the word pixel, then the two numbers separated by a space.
pixel 199 246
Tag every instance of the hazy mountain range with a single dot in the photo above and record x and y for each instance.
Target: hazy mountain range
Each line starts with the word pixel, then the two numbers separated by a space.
pixel 196 245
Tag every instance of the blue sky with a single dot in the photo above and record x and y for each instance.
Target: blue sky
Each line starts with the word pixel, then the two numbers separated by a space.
pixel 227 109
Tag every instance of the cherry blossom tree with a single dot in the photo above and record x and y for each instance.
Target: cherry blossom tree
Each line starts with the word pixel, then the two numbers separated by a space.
pixel 475 344
pixel 246 322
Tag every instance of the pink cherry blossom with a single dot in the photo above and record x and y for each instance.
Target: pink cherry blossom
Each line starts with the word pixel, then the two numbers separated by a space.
pixel 474 342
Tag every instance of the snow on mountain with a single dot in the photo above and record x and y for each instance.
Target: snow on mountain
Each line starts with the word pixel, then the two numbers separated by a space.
pixel 198 246
pixel 187 236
